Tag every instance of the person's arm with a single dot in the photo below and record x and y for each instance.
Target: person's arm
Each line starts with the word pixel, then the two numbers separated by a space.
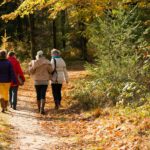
pixel 66 73
pixel 52 64
pixel 20 72
pixel 50 68
pixel 32 67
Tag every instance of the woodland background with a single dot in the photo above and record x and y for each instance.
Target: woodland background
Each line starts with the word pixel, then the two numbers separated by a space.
pixel 106 45
pixel 111 37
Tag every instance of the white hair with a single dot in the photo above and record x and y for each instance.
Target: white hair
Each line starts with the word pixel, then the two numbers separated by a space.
pixel 55 52
pixel 39 54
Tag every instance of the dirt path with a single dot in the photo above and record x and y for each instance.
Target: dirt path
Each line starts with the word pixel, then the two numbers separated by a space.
pixel 26 122
pixel 28 133
pixel 72 129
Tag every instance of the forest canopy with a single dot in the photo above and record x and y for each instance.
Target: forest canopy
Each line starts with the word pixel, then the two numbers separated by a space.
pixel 66 20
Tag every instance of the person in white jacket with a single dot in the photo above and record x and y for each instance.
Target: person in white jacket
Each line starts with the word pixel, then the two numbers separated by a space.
pixel 59 75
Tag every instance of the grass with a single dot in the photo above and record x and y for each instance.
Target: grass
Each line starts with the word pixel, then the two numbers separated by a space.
pixel 141 111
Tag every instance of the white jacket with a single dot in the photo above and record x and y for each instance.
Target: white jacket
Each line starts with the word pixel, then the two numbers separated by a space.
pixel 61 74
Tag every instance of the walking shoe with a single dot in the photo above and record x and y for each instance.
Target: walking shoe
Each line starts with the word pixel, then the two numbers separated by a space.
pixel 3 110
pixel 42 112
pixel 56 107
pixel 14 107
pixel 42 107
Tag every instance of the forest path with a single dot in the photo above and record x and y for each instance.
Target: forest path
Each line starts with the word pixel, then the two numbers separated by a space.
pixel 71 128
pixel 27 123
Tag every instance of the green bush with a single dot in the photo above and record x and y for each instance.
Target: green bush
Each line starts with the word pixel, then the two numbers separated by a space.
pixel 121 65
pixel 132 92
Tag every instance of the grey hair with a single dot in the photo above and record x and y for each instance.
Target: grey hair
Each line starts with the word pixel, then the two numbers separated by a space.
pixel 39 54
pixel 55 52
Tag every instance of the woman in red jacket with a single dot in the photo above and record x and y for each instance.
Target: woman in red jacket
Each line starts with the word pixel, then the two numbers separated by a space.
pixel 19 74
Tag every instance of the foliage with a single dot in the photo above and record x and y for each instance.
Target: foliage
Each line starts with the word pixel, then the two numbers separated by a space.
pixel 132 91
pixel 71 54
pixel 22 50
pixel 109 128
pixel 87 96
pixel 78 13
pixel 113 32
pixel 78 8
pixel 120 66
pixel 5 38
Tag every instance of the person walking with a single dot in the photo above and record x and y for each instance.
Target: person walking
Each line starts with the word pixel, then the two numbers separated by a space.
pixel 59 75
pixel 13 92
pixel 6 76
pixel 40 70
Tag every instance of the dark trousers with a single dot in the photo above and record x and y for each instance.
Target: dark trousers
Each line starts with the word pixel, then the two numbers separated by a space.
pixel 41 91
pixel 13 91
pixel 56 90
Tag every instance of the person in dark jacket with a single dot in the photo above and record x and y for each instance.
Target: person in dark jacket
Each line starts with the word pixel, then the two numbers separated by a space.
pixel 19 74
pixel 6 76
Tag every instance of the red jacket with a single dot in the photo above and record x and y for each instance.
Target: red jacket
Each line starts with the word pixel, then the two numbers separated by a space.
pixel 17 69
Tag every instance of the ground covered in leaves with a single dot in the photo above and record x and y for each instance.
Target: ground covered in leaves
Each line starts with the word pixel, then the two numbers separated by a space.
pixel 70 128
pixel 5 136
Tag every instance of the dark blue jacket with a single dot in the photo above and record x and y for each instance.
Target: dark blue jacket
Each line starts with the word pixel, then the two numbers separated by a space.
pixel 6 72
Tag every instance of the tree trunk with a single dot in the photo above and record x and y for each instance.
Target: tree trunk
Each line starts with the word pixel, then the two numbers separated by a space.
pixel 32 36
pixel 19 29
pixel 63 29
pixel 54 34
pixel 26 28
pixel 83 41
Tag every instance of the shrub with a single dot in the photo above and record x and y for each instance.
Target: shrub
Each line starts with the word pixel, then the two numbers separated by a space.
pixel 132 92
pixel 121 65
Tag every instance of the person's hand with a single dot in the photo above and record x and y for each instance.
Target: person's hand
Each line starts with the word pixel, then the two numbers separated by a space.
pixel 30 64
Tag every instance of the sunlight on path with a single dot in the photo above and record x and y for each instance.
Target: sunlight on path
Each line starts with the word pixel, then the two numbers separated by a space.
pixel 27 131
pixel 29 135
pixel 70 128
